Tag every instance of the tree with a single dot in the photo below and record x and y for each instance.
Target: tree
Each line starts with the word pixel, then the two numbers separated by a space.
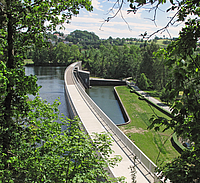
pixel 40 55
pixel 32 147
pixel 83 37
pixel 153 67
pixel 147 64
pixel 143 82
pixel 182 58
pixel 74 53
pixel 62 53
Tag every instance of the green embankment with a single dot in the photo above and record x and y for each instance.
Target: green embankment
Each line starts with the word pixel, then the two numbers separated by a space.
pixel 149 141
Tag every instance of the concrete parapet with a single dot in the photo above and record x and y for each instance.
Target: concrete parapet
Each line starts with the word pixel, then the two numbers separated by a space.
pixel 106 82
pixel 95 120
pixel 85 78
pixel 124 112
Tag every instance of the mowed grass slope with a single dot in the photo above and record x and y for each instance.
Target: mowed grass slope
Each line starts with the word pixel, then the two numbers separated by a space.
pixel 149 141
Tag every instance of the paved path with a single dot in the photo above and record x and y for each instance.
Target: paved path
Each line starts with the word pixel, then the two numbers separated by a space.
pixel 93 122
pixel 155 101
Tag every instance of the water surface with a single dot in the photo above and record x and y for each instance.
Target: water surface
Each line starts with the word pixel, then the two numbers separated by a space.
pixel 104 97
pixel 52 81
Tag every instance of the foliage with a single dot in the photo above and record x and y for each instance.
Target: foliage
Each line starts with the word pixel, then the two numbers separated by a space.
pixel 43 153
pixel 32 146
pixel 61 54
pixel 153 67
pixel 164 95
pixel 82 37
pixel 109 61
pixel 143 82
pixel 149 141
pixel 112 61
pixel 183 60
pixel 89 39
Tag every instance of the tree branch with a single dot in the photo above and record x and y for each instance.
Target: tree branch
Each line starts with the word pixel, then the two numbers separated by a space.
pixel 134 9
pixel 155 13
pixel 119 9
pixel 197 66
pixel 165 28
pixel 163 145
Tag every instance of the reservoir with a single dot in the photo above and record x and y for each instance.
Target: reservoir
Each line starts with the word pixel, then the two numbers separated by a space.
pixel 52 81
pixel 104 97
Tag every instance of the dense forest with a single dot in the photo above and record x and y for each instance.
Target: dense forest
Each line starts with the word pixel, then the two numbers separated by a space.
pixel 112 58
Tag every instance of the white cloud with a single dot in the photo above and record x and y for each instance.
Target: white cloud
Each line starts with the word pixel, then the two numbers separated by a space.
pixel 90 14
pixel 119 31
pixel 97 5
pixel 117 27
pixel 84 20
pixel 131 14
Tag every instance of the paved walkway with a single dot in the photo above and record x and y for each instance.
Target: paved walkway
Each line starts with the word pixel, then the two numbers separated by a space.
pixel 155 101
pixel 93 123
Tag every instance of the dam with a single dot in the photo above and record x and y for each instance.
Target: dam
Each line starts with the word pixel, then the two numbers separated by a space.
pixel 95 120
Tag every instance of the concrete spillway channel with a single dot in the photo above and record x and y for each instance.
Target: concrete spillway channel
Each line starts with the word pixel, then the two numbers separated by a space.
pixel 95 120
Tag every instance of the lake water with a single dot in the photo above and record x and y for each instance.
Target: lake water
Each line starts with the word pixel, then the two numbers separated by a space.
pixel 104 97
pixel 52 81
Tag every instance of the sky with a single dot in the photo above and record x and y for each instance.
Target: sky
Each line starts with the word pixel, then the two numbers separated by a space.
pixel 124 25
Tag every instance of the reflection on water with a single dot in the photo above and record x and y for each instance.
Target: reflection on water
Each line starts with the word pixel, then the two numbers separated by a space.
pixel 104 97
pixel 52 81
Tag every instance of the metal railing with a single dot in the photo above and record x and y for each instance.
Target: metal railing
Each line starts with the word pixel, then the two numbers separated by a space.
pixel 145 161
pixel 72 109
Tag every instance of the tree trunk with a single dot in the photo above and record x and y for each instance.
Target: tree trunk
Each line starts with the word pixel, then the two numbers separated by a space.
pixel 8 121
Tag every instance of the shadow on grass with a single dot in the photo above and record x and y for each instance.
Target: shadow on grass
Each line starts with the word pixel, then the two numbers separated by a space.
pixel 159 143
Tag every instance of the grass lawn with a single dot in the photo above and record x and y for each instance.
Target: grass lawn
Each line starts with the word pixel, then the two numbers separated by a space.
pixel 160 43
pixel 149 141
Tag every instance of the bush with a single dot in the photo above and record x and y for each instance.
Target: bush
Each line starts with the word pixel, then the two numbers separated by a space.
pixel 143 82
pixel 164 95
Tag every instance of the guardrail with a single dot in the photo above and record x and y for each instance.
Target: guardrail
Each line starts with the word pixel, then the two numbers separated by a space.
pixel 71 107
pixel 145 161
